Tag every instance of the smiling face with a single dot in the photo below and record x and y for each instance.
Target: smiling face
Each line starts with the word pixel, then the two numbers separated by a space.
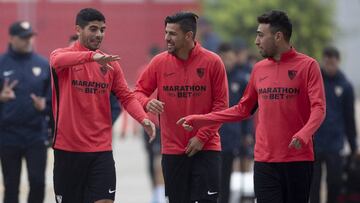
pixel 92 34
pixel 175 38
pixel 265 41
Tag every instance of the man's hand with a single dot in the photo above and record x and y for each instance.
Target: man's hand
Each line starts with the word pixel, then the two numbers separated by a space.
pixel 184 123
pixel 194 145
pixel 104 60
pixel 7 93
pixel 39 102
pixel 295 143
pixel 155 106
pixel 149 129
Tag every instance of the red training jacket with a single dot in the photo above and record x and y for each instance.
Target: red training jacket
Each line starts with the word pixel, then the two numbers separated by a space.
pixel 197 85
pixel 291 104
pixel 81 105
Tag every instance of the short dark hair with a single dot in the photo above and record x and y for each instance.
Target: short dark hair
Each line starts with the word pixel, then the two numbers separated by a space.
pixel 186 20
pixel 73 37
pixel 279 21
pixel 331 52
pixel 224 47
pixel 87 15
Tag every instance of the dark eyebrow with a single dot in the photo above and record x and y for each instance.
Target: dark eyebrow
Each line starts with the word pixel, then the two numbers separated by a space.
pixel 94 26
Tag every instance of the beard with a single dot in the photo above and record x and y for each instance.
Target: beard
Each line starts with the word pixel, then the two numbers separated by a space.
pixel 270 53
pixel 92 43
pixel 171 50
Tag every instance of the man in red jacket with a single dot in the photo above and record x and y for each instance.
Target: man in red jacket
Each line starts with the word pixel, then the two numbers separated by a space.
pixel 287 89
pixel 82 79
pixel 189 80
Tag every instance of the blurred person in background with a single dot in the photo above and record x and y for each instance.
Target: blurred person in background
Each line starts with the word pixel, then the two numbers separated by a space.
pixel 24 104
pixel 339 124
pixel 236 138
pixel 252 59
pixel 82 79
pixel 209 39
pixel 189 79
pixel 288 91
pixel 153 149
pixel 244 66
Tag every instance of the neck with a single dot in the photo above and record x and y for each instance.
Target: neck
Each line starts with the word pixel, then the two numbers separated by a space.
pixel 185 52
pixel 281 50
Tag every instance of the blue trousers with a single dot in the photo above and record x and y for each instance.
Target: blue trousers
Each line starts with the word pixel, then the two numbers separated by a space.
pixel 11 160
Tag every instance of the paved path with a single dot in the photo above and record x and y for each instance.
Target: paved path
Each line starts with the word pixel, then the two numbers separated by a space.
pixel 133 185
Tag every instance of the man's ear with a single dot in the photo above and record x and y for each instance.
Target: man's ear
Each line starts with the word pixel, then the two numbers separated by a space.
pixel 278 36
pixel 78 29
pixel 189 35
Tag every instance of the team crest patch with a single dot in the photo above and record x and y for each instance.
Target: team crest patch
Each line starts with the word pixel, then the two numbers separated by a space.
pixel 292 74
pixel 235 87
pixel 338 91
pixel 36 71
pixel 200 72
pixel 103 70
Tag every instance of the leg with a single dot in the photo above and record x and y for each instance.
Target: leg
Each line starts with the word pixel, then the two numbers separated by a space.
pixel 11 158
pixel 316 182
pixel 36 163
pixel 267 183
pixel 70 175
pixel 334 167
pixel 159 191
pixel 227 159
pixel 150 158
pixel 298 177
pixel 101 184
pixel 205 176
pixel 176 170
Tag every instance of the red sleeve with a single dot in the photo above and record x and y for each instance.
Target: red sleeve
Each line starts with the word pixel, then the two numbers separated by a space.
pixel 246 105
pixel 126 97
pixel 220 100
pixel 62 58
pixel 315 89
pixel 146 84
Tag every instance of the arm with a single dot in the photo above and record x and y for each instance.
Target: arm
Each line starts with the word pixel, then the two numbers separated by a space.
pixel 349 118
pixel 246 106
pixel 125 96
pixel 315 90
pixel 62 58
pixel 220 101
pixel 129 102
pixel 146 84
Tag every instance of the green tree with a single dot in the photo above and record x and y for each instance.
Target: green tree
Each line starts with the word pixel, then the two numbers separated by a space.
pixel 312 20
